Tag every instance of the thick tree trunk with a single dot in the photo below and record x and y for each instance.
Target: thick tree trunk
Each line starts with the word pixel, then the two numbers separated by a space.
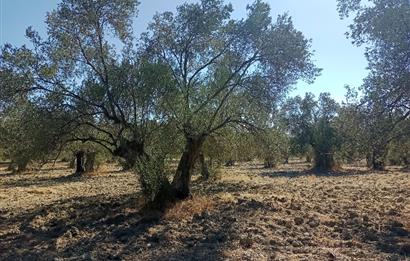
pixel 130 151
pixel 369 160
pixel 378 164
pixel 375 161
pixel 324 161
pixel 19 167
pixel 204 167
pixel 268 164
pixel 182 178
pixel 79 158
pixel 89 165
pixel 22 166
pixel 286 161
pixel 230 163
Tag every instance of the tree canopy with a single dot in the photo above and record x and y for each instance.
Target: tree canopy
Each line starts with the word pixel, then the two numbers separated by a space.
pixel 199 84
pixel 383 27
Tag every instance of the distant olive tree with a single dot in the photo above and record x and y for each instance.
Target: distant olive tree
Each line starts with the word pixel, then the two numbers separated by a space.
pixel 367 129
pixel 272 146
pixel 311 123
pixel 28 134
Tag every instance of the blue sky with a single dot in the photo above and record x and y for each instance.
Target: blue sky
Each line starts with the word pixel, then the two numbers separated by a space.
pixel 342 62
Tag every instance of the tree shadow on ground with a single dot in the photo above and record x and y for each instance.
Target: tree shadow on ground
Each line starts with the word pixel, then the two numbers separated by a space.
pixel 209 188
pixel 117 227
pixel 28 181
pixel 313 172
pixel 111 171
pixel 389 237
pixel 290 165
pixel 108 229
pixel 44 179
pixel 67 227
pixel 8 174
pixel 56 168
pixel 211 233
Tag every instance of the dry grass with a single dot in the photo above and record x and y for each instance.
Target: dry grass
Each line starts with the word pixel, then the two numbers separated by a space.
pixel 40 191
pixel 30 190
pixel 187 209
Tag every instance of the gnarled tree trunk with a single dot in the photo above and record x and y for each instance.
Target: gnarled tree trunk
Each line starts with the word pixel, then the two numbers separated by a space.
pixel 89 165
pixel 286 161
pixel 19 166
pixel 204 167
pixel 375 160
pixel 269 164
pixel 130 151
pixel 11 166
pixel 405 161
pixel 324 161
pixel 79 158
pixel 230 163
pixel 182 178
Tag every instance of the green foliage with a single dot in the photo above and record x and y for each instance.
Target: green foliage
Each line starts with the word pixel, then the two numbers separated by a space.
pixel 352 132
pixel 312 124
pixel 28 134
pixel 223 78
pixel 194 74
pixel 231 144
pixel 86 68
pixel 94 154
pixel 272 146
pixel 399 152
pixel 366 130
pixel 324 143
pixel 152 177
pixel 382 25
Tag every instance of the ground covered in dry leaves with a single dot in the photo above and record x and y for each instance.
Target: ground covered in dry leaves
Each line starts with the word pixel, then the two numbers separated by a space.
pixel 249 214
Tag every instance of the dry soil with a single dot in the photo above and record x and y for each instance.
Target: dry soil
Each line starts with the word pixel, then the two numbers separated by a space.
pixel 250 213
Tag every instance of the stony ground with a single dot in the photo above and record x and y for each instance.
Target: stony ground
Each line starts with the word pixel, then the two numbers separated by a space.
pixel 249 214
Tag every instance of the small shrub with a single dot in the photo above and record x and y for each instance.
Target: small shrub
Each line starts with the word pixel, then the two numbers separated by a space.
pixel 19 164
pixel 153 180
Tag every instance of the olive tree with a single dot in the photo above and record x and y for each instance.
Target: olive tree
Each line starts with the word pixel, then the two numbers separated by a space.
pixel 399 152
pixel 311 122
pixel 226 72
pixel 86 66
pixel 383 27
pixel 28 134
pixel 350 125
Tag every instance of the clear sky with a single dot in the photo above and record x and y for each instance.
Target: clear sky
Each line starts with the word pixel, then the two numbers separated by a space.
pixel 342 62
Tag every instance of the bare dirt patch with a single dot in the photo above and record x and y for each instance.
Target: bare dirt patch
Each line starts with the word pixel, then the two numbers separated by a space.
pixel 250 214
